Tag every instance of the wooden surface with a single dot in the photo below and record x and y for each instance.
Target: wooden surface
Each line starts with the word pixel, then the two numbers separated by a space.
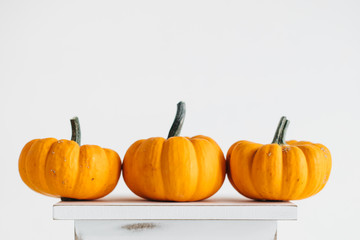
pixel 133 208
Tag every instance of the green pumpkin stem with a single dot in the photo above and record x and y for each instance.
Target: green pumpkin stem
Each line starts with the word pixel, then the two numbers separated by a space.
pixel 283 133
pixel 178 121
pixel 75 130
pixel 279 130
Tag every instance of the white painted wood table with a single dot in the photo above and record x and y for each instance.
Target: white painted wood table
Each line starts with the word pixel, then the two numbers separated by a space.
pixel 215 218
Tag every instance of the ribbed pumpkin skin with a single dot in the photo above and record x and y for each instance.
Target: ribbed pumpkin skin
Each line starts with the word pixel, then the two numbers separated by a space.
pixel 62 168
pixel 177 169
pixel 293 171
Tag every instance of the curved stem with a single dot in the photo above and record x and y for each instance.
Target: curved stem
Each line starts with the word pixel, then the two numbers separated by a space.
pixel 279 129
pixel 75 130
pixel 283 133
pixel 178 121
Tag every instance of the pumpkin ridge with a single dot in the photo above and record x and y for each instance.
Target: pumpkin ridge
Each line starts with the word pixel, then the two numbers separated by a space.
pixel 45 182
pixel 283 182
pixel 303 193
pixel 108 153
pixel 162 159
pixel 247 189
pixel 76 163
pixel 76 158
pixel 208 185
pixel 199 169
pixel 28 158
pixel 327 155
pixel 81 163
pixel 298 195
pixel 292 191
pixel 251 182
pixel 135 153
pixel 128 161
pixel 102 160
pixel 150 158
pixel 324 153
pixel 187 147
pixel 305 148
pixel 38 186
pixel 324 172
pixel 23 166
pixel 251 175
pixel 44 176
pixel 267 185
pixel 144 193
pixel 228 160
pixel 163 193
pixel 52 158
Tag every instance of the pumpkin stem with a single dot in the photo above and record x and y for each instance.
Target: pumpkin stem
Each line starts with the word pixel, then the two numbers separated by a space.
pixel 75 130
pixel 178 121
pixel 279 130
pixel 283 133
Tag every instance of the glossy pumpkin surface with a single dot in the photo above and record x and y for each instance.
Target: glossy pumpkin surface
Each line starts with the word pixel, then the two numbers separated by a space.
pixel 63 168
pixel 279 171
pixel 174 169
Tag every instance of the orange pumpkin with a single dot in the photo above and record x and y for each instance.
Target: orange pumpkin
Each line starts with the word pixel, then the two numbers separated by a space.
pixel 278 171
pixel 63 168
pixel 174 169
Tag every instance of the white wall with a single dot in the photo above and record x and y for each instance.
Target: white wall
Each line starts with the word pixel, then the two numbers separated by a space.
pixel 122 66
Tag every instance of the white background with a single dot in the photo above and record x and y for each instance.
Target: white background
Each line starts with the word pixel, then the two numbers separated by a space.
pixel 122 66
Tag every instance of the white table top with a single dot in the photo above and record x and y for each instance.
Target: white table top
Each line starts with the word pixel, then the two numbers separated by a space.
pixel 215 208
